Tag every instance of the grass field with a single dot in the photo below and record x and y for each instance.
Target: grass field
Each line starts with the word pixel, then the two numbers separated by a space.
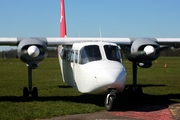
pixel 160 86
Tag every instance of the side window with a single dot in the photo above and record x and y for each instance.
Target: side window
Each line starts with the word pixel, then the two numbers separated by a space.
pixel 70 56
pixel 63 54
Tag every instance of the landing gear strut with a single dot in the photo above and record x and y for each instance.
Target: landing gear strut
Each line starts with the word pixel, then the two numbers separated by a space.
pixel 135 88
pixel 33 91
pixel 110 100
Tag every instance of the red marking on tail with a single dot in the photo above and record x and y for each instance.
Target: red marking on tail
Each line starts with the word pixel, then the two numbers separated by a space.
pixel 62 20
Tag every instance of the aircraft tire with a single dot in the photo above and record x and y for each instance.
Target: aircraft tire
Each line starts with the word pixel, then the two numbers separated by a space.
pixel 110 105
pixel 25 92
pixel 35 92
pixel 130 90
pixel 139 90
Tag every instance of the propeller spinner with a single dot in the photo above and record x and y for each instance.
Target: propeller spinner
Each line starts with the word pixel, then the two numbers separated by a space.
pixel 33 51
pixel 149 50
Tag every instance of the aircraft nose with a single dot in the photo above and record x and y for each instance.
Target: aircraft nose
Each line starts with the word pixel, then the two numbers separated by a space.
pixel 112 78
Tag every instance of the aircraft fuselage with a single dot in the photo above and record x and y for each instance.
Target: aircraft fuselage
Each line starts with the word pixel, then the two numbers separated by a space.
pixel 92 67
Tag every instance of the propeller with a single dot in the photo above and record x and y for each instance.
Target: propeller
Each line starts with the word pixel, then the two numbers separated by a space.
pixel 33 51
pixel 147 51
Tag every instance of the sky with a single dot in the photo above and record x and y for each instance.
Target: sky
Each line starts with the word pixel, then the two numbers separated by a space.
pixel 85 18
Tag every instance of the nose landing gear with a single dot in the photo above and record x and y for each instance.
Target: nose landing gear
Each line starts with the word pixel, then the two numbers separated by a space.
pixel 110 100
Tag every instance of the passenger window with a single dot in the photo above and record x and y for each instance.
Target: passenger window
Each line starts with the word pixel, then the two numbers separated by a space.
pixel 70 56
pixel 63 54
pixel 90 53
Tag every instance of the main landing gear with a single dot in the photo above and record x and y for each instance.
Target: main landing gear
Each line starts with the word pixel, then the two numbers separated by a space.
pixel 135 89
pixel 33 91
pixel 110 100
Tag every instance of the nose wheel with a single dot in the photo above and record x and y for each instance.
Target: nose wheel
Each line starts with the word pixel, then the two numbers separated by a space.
pixel 110 100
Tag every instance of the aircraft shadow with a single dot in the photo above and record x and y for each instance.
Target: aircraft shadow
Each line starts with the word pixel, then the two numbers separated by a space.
pixel 84 98
pixel 145 102
pixel 63 86
pixel 124 101
pixel 147 85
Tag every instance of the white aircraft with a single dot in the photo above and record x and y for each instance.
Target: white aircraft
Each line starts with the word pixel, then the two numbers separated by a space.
pixel 91 65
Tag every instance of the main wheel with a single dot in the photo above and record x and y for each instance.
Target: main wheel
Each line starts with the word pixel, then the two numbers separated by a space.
pixel 110 105
pixel 25 92
pixel 135 91
pixel 139 91
pixel 35 92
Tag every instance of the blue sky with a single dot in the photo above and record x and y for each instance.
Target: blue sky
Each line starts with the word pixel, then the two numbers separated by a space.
pixel 116 18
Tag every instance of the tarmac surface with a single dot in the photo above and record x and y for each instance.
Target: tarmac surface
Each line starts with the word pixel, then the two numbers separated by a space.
pixel 146 112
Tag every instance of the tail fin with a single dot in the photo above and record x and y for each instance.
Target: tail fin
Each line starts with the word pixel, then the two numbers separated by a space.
pixel 62 20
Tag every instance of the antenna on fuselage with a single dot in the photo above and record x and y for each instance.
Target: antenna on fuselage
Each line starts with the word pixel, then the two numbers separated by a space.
pixel 100 33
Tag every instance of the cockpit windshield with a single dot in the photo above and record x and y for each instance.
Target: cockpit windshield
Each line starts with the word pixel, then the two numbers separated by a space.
pixel 90 53
pixel 112 53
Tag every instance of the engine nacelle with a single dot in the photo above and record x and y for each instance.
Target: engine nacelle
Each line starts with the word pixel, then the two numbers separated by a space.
pixel 32 50
pixel 148 48
pixel 145 64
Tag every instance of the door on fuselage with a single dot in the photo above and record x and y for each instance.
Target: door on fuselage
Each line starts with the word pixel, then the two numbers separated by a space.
pixel 68 67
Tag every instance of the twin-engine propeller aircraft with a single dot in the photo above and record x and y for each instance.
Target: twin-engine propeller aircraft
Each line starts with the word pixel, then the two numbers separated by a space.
pixel 91 65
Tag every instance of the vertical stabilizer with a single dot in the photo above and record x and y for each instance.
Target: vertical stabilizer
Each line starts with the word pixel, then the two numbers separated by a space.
pixel 62 20
pixel 62 35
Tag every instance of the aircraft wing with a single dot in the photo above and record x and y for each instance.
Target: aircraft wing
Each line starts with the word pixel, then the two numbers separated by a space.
pixel 135 49
pixel 175 42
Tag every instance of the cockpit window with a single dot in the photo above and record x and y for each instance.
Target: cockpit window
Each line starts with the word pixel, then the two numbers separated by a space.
pixel 90 53
pixel 112 53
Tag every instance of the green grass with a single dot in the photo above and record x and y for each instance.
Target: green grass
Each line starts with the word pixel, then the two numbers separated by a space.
pixel 160 85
